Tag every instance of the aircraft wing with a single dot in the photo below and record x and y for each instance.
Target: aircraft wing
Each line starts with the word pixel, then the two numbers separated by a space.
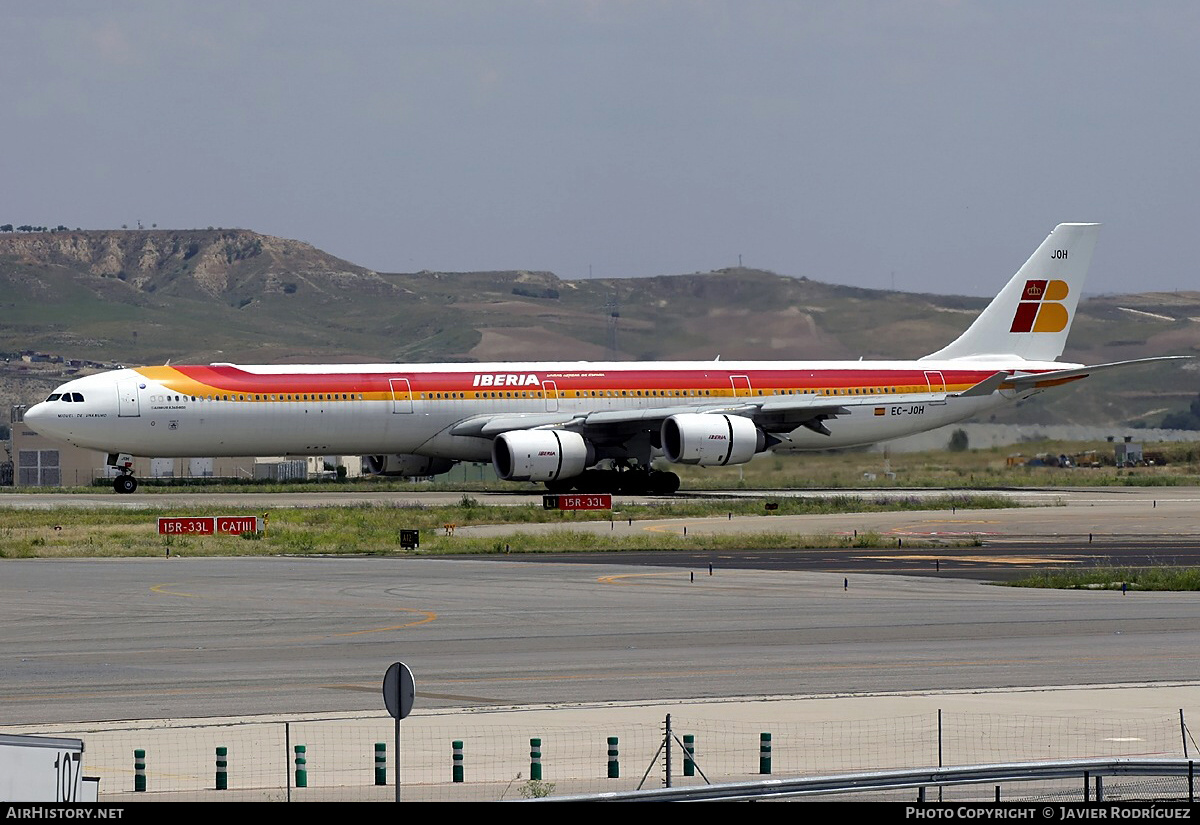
pixel 1042 380
pixel 774 414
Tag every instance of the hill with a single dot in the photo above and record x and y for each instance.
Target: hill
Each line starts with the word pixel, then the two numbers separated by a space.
pixel 146 296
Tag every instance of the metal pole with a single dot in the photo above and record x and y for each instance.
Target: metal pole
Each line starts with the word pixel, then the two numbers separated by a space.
pixel 940 765
pixel 1183 733
pixel 287 757
pixel 398 759
pixel 667 763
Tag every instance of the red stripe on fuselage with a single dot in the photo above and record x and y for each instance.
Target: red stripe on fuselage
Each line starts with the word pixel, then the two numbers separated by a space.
pixel 232 379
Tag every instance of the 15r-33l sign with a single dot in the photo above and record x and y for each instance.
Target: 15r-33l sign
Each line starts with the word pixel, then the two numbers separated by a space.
pixel 583 501
pixel 209 525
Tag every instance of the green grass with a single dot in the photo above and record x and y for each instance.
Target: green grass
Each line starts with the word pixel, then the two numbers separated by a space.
pixel 972 469
pixel 374 529
pixel 1112 578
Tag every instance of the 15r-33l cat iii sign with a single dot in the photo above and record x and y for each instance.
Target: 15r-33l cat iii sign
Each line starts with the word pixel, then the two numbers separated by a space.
pixel 209 525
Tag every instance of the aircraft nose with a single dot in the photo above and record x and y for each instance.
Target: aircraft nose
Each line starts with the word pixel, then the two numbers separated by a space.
pixel 34 416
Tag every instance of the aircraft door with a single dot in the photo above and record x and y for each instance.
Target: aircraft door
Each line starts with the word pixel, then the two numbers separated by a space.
pixel 936 381
pixel 741 386
pixel 128 403
pixel 551 390
pixel 401 395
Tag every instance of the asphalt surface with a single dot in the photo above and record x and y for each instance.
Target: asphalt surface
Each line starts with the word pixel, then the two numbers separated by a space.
pixel 158 638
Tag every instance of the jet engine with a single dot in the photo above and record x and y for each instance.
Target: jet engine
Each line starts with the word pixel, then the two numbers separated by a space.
pixel 711 439
pixel 541 455
pixel 406 465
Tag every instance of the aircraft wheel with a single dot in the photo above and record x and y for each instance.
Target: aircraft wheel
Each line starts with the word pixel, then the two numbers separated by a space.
pixel 594 481
pixel 664 484
pixel 124 484
pixel 635 483
pixel 560 485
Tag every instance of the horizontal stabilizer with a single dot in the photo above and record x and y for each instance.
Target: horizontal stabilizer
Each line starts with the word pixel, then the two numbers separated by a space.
pixel 985 387
pixel 1041 380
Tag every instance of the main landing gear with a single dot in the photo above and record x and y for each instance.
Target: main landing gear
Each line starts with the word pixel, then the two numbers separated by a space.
pixel 124 482
pixel 628 481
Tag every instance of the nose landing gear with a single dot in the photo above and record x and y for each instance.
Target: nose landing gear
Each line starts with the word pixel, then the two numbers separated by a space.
pixel 125 482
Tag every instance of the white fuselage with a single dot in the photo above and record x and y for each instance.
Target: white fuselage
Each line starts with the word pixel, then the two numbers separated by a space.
pixel 224 410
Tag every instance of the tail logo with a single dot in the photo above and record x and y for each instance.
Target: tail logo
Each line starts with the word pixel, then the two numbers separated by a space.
pixel 1040 309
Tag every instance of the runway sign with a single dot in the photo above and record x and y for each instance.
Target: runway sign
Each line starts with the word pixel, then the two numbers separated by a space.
pixel 209 525
pixel 586 501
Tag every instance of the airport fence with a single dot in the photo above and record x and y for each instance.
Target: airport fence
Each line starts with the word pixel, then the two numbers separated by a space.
pixel 341 756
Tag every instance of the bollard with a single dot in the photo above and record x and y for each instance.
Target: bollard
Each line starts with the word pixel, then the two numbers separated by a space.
pixel 301 766
pixel 614 766
pixel 458 760
pixel 380 763
pixel 222 769
pixel 689 754
pixel 764 753
pixel 535 758
pixel 139 770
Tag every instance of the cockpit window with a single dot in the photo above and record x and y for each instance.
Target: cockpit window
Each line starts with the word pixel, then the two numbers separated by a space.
pixel 76 396
pixel 54 396
pixel 66 396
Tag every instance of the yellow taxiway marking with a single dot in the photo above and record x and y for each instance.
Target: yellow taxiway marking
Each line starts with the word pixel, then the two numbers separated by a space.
pixel 616 578
pixel 428 615
pixel 666 528
pixel 162 588
pixel 957 521
pixel 981 559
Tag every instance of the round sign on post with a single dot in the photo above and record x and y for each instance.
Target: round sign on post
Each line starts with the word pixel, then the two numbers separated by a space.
pixel 399 690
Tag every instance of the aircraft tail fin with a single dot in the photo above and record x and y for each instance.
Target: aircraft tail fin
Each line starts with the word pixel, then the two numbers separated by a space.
pixel 1032 315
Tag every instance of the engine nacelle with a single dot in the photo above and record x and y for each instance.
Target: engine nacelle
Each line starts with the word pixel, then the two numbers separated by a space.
pixel 406 465
pixel 541 455
pixel 711 440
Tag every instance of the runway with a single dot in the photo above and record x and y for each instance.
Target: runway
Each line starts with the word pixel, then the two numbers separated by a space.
pixel 143 639
pixel 113 639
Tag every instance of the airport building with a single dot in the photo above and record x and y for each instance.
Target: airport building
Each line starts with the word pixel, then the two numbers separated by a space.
pixel 36 461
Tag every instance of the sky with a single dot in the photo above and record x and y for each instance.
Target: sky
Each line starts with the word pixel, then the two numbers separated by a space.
pixel 926 146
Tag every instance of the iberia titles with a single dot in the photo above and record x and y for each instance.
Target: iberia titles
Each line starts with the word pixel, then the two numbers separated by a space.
pixel 505 379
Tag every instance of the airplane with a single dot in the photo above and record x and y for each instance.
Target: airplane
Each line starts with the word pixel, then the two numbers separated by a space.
pixel 585 426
